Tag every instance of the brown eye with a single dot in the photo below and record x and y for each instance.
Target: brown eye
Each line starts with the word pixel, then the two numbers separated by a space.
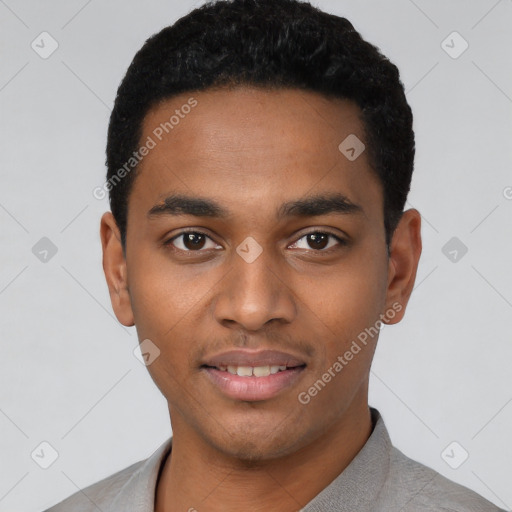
pixel 318 241
pixel 191 241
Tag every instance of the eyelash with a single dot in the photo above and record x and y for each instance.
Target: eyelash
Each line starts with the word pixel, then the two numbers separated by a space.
pixel 169 242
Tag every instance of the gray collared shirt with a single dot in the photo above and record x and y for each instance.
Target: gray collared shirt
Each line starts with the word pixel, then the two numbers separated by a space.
pixel 379 479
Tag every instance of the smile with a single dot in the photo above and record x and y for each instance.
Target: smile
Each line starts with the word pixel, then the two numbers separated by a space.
pixel 252 371
pixel 253 375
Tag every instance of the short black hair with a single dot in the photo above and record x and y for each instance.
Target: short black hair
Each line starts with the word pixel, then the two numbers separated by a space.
pixel 270 44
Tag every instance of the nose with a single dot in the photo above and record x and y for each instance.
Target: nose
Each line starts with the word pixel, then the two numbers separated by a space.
pixel 254 293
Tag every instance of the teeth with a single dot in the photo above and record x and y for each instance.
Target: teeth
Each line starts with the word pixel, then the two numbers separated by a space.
pixel 261 371
pixel 244 371
pixel 252 371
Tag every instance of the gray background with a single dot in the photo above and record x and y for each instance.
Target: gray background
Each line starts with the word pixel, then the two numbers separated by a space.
pixel 68 375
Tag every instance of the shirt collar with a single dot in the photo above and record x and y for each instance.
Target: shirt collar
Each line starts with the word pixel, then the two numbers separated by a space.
pixel 356 488
pixel 138 493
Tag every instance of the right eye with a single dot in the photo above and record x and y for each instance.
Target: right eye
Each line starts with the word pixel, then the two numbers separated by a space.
pixel 190 241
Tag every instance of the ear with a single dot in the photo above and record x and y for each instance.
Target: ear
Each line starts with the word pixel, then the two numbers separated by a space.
pixel 114 266
pixel 403 263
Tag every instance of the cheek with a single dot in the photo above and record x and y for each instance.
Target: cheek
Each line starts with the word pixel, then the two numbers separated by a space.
pixel 162 294
pixel 350 307
pixel 349 298
pixel 162 304
pixel 166 301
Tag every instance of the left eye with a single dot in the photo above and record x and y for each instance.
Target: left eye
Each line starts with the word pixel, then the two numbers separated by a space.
pixel 318 241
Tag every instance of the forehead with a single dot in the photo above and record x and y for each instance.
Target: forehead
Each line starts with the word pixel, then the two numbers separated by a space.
pixel 251 146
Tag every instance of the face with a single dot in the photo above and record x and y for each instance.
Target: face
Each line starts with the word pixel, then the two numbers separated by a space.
pixel 255 258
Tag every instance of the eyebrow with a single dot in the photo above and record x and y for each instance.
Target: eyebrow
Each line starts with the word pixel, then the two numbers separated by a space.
pixel 324 204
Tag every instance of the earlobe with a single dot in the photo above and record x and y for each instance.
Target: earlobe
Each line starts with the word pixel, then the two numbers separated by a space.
pixel 114 267
pixel 403 264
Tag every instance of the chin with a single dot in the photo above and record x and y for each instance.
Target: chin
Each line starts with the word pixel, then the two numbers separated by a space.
pixel 255 451
pixel 251 443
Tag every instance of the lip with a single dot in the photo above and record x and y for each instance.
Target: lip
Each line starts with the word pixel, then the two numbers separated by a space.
pixel 254 358
pixel 253 389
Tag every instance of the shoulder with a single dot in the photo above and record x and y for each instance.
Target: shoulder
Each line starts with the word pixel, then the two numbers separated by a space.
pixel 98 495
pixel 132 486
pixel 421 489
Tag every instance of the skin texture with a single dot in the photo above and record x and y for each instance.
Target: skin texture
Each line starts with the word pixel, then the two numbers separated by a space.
pixel 251 150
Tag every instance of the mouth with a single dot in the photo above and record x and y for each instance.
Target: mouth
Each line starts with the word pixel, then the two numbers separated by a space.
pixel 253 376
pixel 253 371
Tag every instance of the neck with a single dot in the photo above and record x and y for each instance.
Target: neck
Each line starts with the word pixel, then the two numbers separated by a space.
pixel 198 478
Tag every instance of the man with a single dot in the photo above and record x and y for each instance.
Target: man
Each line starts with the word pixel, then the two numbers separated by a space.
pixel 259 155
